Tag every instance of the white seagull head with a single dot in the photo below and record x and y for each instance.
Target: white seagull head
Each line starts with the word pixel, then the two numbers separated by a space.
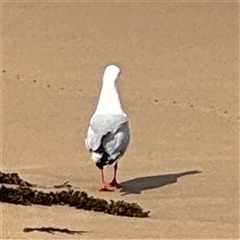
pixel 111 74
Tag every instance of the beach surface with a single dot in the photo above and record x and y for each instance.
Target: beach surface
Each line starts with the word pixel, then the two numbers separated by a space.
pixel 179 86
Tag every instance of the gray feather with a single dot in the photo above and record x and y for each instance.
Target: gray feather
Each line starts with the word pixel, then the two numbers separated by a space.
pixel 115 144
pixel 111 130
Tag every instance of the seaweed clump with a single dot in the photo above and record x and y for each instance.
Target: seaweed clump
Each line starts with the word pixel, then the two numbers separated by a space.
pixel 24 195
pixel 13 178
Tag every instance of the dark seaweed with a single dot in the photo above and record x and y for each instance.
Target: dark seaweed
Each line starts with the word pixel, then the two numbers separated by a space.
pixel 52 230
pixel 24 195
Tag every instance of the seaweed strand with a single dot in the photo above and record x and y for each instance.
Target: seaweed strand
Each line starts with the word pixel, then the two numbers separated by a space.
pixel 24 195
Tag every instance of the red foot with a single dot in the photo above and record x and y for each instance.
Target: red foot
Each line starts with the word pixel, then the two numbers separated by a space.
pixel 105 189
pixel 114 183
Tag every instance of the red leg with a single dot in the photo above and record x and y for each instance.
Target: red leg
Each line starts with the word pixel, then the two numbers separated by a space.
pixel 104 185
pixel 114 182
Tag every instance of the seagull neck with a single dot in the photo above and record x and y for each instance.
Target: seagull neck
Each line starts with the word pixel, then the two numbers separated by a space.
pixel 109 100
pixel 109 87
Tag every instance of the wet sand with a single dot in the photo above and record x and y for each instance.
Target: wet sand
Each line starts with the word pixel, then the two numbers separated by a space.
pixel 179 87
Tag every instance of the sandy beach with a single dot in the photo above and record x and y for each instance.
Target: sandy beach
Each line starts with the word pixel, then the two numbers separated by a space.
pixel 179 87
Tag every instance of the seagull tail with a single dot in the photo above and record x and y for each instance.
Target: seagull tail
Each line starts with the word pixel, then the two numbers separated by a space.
pixel 96 156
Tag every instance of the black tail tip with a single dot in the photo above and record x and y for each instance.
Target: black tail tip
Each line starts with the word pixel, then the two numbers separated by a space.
pixel 99 164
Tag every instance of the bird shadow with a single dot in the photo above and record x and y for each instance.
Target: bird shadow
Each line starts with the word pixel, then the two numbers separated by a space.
pixel 137 185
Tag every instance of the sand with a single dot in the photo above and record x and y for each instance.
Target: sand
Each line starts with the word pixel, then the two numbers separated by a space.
pixel 179 87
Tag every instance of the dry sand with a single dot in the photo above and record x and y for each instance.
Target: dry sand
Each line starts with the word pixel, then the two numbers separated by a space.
pixel 179 86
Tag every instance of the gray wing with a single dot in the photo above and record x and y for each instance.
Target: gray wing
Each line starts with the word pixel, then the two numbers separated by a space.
pixel 103 126
pixel 115 144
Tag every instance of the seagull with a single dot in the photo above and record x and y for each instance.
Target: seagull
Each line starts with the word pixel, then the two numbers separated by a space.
pixel 108 134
